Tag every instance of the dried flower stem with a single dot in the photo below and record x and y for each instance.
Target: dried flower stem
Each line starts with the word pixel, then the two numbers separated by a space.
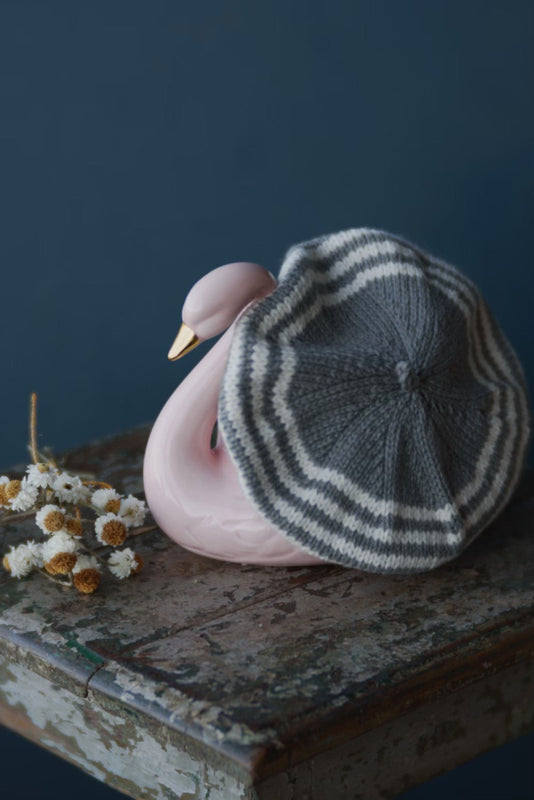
pixel 98 483
pixel 61 581
pixel 33 428
pixel 146 529
pixel 9 517
pixel 94 553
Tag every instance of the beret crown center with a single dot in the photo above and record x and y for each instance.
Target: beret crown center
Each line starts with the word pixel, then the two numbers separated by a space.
pixel 407 377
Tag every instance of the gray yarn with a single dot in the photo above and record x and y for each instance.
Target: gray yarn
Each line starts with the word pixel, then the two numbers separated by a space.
pixel 375 411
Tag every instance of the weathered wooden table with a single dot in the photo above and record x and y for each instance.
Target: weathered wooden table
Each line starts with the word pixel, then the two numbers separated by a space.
pixel 199 679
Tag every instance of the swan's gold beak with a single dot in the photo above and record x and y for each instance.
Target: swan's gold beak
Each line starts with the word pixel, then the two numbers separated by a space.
pixel 186 341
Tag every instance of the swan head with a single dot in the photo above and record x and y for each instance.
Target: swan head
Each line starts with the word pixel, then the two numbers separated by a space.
pixel 216 300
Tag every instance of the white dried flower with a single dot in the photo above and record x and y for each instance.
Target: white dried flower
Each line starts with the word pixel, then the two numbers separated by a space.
pixel 86 574
pixel 73 526
pixel 133 511
pixel 25 498
pixel 50 518
pixel 60 553
pixel 37 549
pixel 70 489
pixel 22 559
pixel 123 563
pixel 106 500
pixel 59 542
pixel 41 475
pixel 4 500
pixel 85 562
pixel 111 529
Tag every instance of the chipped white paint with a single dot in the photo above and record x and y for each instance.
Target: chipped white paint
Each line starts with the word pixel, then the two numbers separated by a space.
pixel 128 688
pixel 110 748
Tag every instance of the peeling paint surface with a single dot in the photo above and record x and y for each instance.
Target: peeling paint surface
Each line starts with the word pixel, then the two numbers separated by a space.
pixel 255 673
pixel 107 745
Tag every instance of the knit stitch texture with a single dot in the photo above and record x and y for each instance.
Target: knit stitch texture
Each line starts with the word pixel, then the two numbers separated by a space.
pixel 375 411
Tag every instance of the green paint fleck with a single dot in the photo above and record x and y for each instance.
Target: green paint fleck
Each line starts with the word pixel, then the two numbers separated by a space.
pixel 84 651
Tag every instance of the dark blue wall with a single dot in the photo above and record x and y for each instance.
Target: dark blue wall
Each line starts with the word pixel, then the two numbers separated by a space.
pixel 143 143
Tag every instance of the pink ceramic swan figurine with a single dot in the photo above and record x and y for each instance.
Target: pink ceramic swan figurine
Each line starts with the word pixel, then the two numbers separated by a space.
pixel 192 489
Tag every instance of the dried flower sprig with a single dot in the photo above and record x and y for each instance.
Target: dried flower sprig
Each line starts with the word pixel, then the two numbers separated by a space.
pixel 55 497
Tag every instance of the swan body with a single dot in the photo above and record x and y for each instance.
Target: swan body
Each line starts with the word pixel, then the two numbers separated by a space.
pixel 193 490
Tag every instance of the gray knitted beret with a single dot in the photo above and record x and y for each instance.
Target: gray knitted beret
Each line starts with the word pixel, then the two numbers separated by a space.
pixel 375 411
